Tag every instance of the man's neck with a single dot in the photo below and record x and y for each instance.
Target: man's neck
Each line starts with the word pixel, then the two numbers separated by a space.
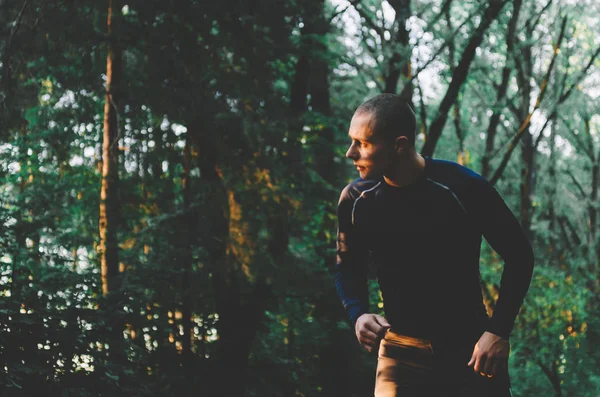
pixel 407 171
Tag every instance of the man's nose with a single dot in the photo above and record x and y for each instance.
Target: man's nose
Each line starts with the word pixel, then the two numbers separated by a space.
pixel 351 153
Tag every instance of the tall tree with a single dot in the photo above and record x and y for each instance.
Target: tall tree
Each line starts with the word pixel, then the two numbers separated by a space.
pixel 109 201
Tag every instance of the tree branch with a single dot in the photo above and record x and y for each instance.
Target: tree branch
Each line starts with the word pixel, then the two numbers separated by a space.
pixel 582 74
pixel 541 133
pixel 571 229
pixel 578 185
pixel 553 377
pixel 577 138
pixel 539 15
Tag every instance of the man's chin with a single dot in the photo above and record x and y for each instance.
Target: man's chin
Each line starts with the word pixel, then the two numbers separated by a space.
pixel 369 175
pixel 365 175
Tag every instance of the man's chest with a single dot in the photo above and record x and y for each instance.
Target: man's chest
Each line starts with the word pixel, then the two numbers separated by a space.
pixel 415 224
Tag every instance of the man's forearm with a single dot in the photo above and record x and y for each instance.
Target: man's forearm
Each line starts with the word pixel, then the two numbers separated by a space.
pixel 505 235
pixel 515 282
pixel 353 292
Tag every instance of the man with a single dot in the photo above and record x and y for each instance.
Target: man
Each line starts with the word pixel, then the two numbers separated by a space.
pixel 420 222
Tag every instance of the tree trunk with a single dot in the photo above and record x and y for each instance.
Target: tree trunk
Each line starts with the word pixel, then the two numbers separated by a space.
pixel 6 82
pixel 238 321
pixel 108 249
pixel 553 241
pixel 189 222
pixel 593 250
pixel 461 155
pixel 502 89
pixel 332 354
pixel 213 236
pixel 299 89
pixel 528 182
pixel 399 63
pixel 593 213
pixel 422 111
pixel 298 106
pixel 553 377
pixel 319 93
pixel 320 102
pixel 109 206
pixel 528 149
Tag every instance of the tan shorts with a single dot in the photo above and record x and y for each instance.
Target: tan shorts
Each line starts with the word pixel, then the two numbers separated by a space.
pixel 411 367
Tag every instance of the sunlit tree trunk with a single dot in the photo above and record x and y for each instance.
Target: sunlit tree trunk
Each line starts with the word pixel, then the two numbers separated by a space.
pixel 108 248
pixel 109 205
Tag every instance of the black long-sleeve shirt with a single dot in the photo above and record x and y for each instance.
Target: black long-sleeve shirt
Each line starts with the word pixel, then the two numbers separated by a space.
pixel 424 240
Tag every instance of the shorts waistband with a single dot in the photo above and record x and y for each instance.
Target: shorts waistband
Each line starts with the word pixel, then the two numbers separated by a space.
pixel 393 337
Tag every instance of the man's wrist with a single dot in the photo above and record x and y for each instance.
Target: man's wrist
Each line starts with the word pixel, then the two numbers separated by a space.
pixel 498 333
pixel 354 316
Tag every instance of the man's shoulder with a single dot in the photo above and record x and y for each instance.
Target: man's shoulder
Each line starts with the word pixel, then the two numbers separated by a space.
pixel 354 189
pixel 453 173
pixel 468 186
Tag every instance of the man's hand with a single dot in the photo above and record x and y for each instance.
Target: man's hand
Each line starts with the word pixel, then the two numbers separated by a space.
pixel 369 329
pixel 490 355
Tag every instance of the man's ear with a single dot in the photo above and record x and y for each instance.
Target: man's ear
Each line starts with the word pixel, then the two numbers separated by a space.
pixel 401 144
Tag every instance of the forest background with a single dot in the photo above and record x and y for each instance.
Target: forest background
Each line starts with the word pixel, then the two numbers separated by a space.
pixel 170 170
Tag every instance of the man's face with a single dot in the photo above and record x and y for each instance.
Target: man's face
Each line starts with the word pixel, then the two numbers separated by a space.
pixel 371 154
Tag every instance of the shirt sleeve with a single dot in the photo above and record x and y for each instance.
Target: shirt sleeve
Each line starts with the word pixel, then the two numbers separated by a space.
pixel 503 232
pixel 351 267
